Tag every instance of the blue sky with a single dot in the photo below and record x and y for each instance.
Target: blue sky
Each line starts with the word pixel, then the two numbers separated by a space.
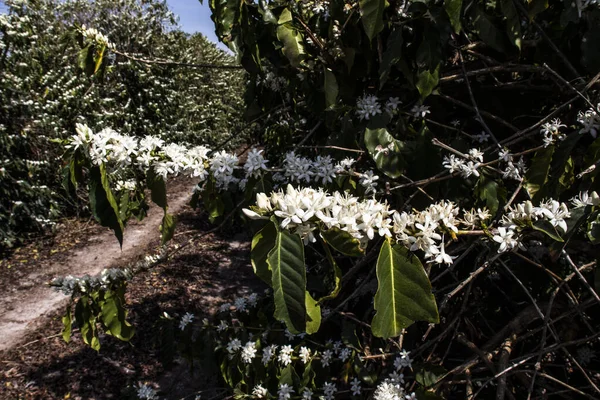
pixel 193 17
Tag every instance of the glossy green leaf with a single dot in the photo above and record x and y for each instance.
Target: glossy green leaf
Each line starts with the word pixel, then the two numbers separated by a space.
pixel 546 227
pixel 537 175
pixel 293 48
pixel 313 314
pixel 103 203
pixel 337 275
pixel 288 280
pixel 371 12
pixel 427 81
pixel 454 10
pixel 331 89
pixel 403 293
pixel 343 242
pixel 262 243
pixel 67 322
pixel 385 151
pixel 265 11
pixel 167 227
pixel 428 374
pixel 114 317
pixel 391 56
pixel 158 188
pixel 535 7
pixel 490 192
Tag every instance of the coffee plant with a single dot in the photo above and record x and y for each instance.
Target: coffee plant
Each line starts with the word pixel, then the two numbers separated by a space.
pixel 46 88
pixel 423 202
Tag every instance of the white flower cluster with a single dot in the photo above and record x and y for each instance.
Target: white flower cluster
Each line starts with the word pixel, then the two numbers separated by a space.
pixel 302 210
pixel 96 36
pixel 551 132
pixel 145 392
pixel 586 199
pixel 590 121
pixel 367 106
pixel 186 320
pixel 524 214
pixel 466 167
pixel 86 284
pixel 513 170
pixel 166 159
pixel 298 169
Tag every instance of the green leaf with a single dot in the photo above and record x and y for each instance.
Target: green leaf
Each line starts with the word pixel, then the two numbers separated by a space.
pixel 158 188
pixel 284 17
pixel 103 203
pixel 371 12
pixel 404 292
pixel 288 277
pixel 537 175
pixel 293 48
pixel 114 317
pixel 262 243
pixel 491 193
pixel 99 58
pixel 66 320
pixel 265 11
pixel 428 374
pixel 546 227
pixel 331 88
pixel 513 21
pixel 167 227
pixel 337 275
pixel 592 156
pixel 385 151
pixel 427 81
pixel 343 242
pixel 454 9
pixel 313 314
pixel 391 56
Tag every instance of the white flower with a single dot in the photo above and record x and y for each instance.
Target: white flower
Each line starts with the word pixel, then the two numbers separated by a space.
pixel 344 354
pixel 395 377
pixel 329 390
pixel 248 352
pixel 367 107
pixel 388 390
pixel 368 180
pixel 392 104
pixel 259 392
pixel 240 304
pixel 285 391
pixel 442 257
pixel 307 394
pixel 222 165
pixel 420 111
pixel 268 353
pixel 585 199
pixel 505 238
pixel 145 392
pixel 285 355
pixel 185 320
pixel 504 155
pixel 225 307
pixel 590 121
pixel 252 299
pixel 234 345
pixel 304 354
pixel 355 387
pixel 476 155
pixel 469 169
pixel 222 326
pixel 326 357
pixel 453 164
pixel 255 163
pixel 482 137
pixel 556 213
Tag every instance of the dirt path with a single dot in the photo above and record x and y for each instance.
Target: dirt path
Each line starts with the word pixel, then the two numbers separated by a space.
pixel 29 298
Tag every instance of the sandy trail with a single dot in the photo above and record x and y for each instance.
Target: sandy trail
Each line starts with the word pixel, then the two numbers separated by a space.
pixel 22 307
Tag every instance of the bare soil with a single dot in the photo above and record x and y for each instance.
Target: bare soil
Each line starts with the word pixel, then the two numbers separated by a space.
pixel 35 363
